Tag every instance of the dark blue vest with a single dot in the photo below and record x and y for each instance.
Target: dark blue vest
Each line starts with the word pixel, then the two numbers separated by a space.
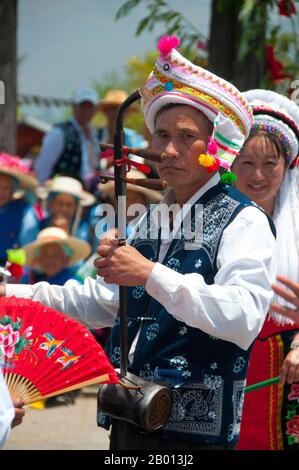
pixel 11 217
pixel 69 162
pixel 206 374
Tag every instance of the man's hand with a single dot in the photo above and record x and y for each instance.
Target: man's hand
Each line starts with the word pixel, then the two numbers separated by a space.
pixel 290 368
pixel 291 295
pixel 122 265
pixel 19 413
pixel 109 237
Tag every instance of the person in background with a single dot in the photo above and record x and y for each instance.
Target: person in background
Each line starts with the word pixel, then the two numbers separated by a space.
pixel 65 200
pixel 53 256
pixel 72 147
pixel 266 174
pixel 19 222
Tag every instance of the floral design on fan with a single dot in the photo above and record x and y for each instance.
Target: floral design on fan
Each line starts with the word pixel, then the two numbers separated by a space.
pixel 51 344
pixel 11 341
pixel 68 358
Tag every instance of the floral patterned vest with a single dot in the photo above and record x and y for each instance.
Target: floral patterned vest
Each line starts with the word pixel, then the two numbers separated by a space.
pixel 206 374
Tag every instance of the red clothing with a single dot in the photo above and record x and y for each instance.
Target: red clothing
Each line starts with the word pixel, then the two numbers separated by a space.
pixel 264 424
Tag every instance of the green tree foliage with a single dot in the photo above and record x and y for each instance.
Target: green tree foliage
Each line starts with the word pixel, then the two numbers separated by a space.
pixel 136 70
pixel 241 31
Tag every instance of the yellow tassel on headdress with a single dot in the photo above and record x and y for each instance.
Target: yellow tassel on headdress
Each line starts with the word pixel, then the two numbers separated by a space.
pixel 206 160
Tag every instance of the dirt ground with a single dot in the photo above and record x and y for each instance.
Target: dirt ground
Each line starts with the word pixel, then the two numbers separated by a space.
pixel 61 427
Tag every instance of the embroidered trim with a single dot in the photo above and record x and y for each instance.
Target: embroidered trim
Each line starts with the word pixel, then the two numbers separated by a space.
pixel 197 408
pixel 211 100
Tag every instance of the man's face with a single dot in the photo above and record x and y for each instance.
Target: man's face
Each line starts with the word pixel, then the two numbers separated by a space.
pixel 182 132
pixel 52 259
pixel 84 112
pixel 6 189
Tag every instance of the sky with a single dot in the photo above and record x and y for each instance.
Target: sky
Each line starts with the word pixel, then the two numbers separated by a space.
pixel 65 44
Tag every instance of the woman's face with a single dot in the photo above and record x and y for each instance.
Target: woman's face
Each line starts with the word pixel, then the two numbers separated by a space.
pixel 63 205
pixel 260 170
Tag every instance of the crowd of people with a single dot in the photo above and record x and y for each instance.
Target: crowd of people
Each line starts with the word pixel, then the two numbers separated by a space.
pixel 202 318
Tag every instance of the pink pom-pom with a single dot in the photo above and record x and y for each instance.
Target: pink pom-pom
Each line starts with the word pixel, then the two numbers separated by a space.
pixel 212 147
pixel 166 44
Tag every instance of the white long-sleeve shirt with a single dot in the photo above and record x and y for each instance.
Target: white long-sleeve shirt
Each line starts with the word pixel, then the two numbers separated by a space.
pixel 233 308
pixel 52 148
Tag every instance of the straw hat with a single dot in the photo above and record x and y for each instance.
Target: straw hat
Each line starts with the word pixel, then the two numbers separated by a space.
pixel 66 185
pixel 112 98
pixel 151 195
pixel 80 249
pixel 14 167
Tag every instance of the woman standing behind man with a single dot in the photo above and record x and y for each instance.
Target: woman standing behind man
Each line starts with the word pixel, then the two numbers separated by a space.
pixel 266 173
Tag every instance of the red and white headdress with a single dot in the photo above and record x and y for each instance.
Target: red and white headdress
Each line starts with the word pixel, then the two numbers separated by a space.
pixel 177 80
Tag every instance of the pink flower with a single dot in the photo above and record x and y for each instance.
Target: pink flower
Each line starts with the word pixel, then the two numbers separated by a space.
pixel 293 427
pixel 294 395
pixel 8 339
pixel 286 8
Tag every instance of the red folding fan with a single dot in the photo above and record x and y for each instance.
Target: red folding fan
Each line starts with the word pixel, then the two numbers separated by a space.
pixel 45 353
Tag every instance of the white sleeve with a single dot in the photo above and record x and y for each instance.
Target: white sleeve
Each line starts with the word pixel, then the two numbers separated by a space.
pixel 94 303
pixel 52 148
pixel 235 306
pixel 7 411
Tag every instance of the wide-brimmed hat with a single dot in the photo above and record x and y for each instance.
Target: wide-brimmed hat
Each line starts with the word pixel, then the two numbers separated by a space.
pixel 151 195
pixel 112 98
pixel 79 249
pixel 176 80
pixel 66 185
pixel 278 116
pixel 13 166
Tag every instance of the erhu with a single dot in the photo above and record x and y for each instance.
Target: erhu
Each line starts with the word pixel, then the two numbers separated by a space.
pixel 143 403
